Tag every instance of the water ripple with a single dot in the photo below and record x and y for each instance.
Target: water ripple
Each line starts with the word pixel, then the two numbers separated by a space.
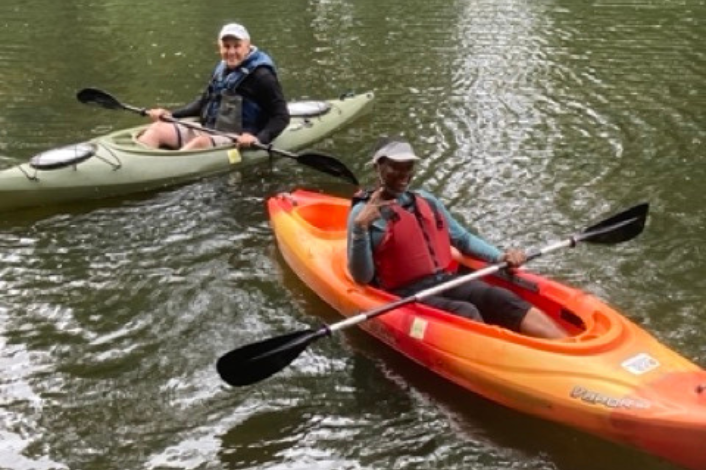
pixel 534 120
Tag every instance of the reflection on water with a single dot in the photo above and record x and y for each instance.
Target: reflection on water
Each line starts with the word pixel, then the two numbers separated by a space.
pixel 535 120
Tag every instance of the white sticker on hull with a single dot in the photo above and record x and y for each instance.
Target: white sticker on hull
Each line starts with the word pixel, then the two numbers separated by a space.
pixel 640 364
pixel 418 328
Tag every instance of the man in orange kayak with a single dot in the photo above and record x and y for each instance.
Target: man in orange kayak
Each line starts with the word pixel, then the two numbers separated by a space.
pixel 400 240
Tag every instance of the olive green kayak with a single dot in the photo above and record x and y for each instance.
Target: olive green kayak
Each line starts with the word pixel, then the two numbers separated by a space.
pixel 116 164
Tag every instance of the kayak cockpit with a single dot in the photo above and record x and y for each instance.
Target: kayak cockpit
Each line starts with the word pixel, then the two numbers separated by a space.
pixel 298 111
pixel 592 324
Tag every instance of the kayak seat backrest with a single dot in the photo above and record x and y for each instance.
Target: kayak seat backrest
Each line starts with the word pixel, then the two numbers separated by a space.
pixel 306 109
pixel 328 219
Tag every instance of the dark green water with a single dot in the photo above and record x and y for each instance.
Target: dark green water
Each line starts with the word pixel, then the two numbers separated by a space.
pixel 536 118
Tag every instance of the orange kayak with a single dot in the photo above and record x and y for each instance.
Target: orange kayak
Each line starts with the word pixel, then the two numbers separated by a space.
pixel 610 378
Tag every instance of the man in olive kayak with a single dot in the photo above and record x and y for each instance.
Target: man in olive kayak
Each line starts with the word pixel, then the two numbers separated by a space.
pixel 243 97
pixel 400 240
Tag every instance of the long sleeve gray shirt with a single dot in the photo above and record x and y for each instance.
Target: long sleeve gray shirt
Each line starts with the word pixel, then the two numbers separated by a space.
pixel 362 244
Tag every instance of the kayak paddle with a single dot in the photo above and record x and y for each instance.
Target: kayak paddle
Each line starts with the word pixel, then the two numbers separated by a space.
pixel 257 361
pixel 316 160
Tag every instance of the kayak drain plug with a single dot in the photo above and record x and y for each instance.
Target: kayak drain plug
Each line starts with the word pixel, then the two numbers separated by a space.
pixel 700 388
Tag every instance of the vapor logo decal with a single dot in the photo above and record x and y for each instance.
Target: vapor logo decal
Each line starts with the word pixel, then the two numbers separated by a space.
pixel 596 398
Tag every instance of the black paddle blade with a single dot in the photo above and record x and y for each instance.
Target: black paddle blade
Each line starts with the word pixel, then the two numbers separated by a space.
pixel 327 164
pixel 258 361
pixel 619 228
pixel 98 97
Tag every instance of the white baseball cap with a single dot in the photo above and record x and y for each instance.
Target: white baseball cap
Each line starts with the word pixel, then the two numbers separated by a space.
pixel 235 30
pixel 397 150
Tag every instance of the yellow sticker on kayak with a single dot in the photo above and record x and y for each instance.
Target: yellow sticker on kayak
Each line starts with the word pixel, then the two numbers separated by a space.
pixel 234 156
pixel 418 328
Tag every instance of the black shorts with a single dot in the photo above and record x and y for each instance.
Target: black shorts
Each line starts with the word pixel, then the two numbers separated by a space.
pixel 478 300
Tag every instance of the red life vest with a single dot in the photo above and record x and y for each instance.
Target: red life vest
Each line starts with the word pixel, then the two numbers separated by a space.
pixel 415 244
